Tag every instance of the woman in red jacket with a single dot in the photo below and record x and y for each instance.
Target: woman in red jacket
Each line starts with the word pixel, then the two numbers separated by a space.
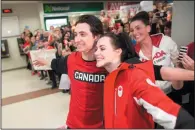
pixel 131 99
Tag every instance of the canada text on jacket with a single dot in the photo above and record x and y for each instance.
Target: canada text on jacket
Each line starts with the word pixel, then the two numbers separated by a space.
pixel 89 77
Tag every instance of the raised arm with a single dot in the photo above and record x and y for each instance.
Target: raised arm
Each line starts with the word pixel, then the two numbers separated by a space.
pixel 59 65
pixel 173 74
pixel 163 110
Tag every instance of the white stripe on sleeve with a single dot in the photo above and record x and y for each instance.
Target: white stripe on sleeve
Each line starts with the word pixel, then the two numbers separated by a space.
pixel 161 117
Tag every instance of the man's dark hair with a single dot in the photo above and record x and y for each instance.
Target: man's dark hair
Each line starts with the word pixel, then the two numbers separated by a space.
pixel 141 16
pixel 96 26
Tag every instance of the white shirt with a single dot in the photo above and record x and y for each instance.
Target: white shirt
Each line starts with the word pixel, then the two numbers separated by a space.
pixel 164 52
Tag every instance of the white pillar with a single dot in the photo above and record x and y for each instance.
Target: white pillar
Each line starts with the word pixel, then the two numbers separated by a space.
pixel 41 15
pixel 183 22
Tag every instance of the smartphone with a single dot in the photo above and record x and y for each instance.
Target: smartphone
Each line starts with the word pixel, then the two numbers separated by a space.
pixel 183 50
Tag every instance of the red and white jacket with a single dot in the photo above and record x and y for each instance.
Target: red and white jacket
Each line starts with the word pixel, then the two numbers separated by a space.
pixel 132 100
pixel 164 52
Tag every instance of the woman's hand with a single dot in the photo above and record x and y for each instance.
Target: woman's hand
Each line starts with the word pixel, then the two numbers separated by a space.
pixel 187 62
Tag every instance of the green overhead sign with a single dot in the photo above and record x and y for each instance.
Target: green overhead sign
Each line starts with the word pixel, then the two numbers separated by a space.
pixel 72 7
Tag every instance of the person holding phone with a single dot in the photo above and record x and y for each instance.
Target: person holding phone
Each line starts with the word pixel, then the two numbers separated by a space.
pixel 188 59
pixel 184 95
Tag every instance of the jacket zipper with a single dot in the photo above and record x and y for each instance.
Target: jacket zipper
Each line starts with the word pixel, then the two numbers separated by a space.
pixel 115 101
pixel 114 108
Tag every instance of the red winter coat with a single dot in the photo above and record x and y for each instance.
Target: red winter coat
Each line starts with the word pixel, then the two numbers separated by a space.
pixel 132 100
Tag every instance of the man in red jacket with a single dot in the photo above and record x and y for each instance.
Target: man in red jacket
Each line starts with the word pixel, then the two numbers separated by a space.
pixel 86 102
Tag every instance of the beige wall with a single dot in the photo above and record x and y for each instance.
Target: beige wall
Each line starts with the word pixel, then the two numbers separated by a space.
pixel 27 14
pixel 15 60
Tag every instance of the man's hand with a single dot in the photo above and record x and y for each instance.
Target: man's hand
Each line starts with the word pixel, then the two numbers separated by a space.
pixel 187 62
pixel 40 62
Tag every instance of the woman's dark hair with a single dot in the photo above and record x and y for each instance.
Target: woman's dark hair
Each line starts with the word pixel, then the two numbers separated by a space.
pixel 141 16
pixel 31 44
pixel 126 24
pixel 95 24
pixel 123 41
pixel 61 30
pixel 64 34
pixel 168 24
pixel 29 34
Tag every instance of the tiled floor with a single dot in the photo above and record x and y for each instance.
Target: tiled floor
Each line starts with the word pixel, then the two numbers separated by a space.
pixel 20 81
pixel 48 111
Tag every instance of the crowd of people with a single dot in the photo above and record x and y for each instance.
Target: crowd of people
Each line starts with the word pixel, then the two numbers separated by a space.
pixel 112 78
pixel 57 38
pixel 160 20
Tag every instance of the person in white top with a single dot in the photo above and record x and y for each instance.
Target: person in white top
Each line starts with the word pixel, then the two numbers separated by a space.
pixel 159 48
